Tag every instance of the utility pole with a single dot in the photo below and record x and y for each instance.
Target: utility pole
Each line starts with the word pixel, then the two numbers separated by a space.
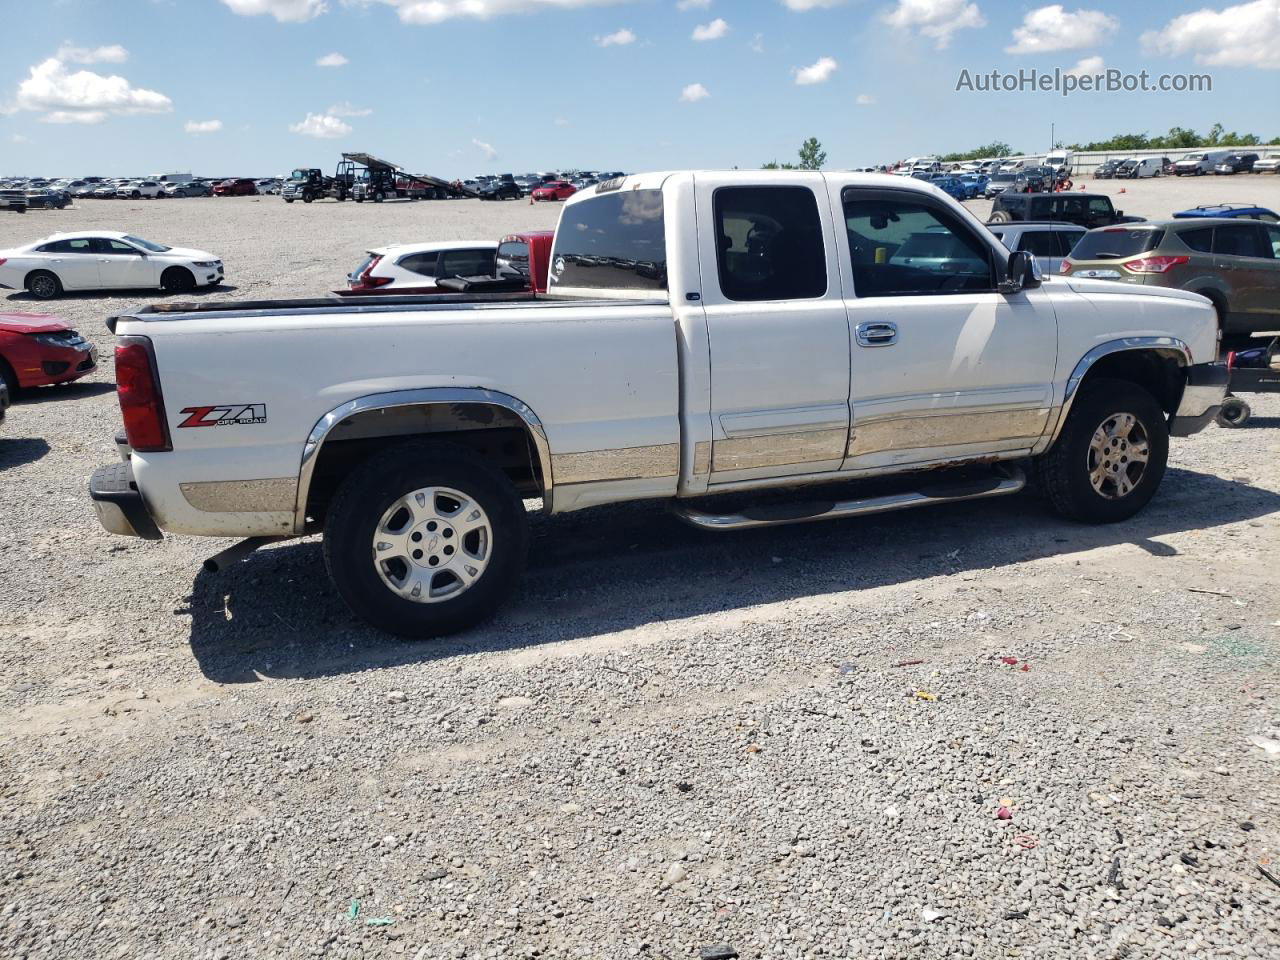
pixel 1053 143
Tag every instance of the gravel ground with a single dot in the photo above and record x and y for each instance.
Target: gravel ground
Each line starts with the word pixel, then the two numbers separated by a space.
pixel 794 743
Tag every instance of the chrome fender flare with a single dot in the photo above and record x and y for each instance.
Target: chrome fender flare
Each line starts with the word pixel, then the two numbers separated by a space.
pixel 1170 347
pixel 425 396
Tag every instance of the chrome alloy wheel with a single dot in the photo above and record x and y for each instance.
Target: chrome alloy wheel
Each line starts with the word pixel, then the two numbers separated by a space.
pixel 432 544
pixel 1118 455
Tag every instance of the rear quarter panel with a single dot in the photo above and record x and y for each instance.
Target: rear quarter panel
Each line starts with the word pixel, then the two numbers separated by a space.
pixel 600 378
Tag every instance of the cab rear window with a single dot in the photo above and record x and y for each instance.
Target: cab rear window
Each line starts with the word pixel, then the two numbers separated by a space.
pixel 616 241
pixel 1116 243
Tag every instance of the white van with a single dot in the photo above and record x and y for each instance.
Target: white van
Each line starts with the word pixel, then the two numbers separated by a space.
pixel 174 178
pixel 1060 160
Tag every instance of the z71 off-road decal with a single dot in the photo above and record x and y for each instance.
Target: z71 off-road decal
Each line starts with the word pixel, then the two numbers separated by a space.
pixel 225 415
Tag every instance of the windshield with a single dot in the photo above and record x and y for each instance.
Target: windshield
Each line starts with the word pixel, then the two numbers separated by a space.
pixel 147 244
pixel 614 240
pixel 1003 178
pixel 1116 243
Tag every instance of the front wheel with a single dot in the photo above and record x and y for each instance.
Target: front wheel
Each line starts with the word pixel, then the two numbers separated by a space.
pixel 425 539
pixel 1110 457
pixel 177 280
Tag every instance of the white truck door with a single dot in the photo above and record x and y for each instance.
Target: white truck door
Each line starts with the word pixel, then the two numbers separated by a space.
pixel 943 366
pixel 777 328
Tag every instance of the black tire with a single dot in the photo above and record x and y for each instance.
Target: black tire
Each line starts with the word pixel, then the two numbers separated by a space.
pixel 9 378
pixel 43 285
pixel 307 198
pixel 373 489
pixel 1234 413
pixel 1000 216
pixel 177 280
pixel 1064 473
pixel 290 200
pixel 137 194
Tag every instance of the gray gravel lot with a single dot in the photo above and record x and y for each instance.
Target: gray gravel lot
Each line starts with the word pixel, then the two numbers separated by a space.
pixel 791 742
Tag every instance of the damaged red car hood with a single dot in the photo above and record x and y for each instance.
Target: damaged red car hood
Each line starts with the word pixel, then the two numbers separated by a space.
pixel 30 323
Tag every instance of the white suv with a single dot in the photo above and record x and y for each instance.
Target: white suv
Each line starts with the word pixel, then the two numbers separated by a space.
pixel 141 188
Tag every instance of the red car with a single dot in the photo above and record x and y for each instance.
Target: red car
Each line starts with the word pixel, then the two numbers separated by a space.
pixel 37 349
pixel 555 190
pixel 236 188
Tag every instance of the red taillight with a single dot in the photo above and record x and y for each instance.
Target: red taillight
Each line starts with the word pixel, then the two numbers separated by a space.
pixel 2 261
pixel 138 391
pixel 1155 264
pixel 1066 267
pixel 365 281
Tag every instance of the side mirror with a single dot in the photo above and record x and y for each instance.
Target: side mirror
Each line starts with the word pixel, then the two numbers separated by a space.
pixel 1021 273
pixel 1119 213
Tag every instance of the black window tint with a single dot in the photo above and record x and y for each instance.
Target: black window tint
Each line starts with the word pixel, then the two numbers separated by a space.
pixel 1200 240
pixel 1116 243
pixel 113 246
pixel 466 263
pixel 1040 208
pixel 902 246
pixel 613 241
pixel 1272 239
pixel 420 263
pixel 513 259
pixel 1240 240
pixel 1039 243
pixel 769 243
pixel 1066 240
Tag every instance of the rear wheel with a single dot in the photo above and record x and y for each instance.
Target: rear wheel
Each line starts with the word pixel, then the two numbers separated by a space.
pixel 177 280
pixel 1110 457
pixel 1000 216
pixel 43 284
pixel 425 539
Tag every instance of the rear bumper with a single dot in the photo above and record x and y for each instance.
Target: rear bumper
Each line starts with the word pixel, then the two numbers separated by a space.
pixel 119 504
pixel 1201 399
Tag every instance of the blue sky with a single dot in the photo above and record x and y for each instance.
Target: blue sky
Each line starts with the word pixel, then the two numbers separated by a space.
pixel 456 87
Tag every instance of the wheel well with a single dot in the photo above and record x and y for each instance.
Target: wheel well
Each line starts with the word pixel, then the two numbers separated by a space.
pixel 26 281
pixel 495 433
pixel 1219 302
pixel 177 266
pixel 1158 373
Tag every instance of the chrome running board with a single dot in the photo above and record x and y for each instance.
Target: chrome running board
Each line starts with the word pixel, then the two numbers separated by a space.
pixel 1011 479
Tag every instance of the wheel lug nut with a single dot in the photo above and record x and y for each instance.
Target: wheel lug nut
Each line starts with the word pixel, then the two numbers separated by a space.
pixel 431 527
pixel 448 551
pixel 417 554
pixel 416 538
pixel 448 533
pixel 433 561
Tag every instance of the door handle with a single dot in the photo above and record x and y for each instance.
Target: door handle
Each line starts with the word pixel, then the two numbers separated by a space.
pixel 876 333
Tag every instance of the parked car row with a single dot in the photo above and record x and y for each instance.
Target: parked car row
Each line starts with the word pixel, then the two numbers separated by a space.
pixel 507 186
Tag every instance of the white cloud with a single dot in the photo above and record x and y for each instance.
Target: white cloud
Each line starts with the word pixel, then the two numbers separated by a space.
pixel 1245 35
pixel 714 30
pixel 803 5
pixel 486 148
pixel 74 116
pixel 322 126
pixel 694 92
pixel 866 100
pixel 427 12
pixel 83 96
pixel 285 11
pixel 1088 66
pixel 202 126
pixel 334 59
pixel 757 43
pixel 819 72
pixel 935 19
pixel 18 138
pixel 693 4
pixel 110 54
pixel 619 38
pixel 562 122
pixel 347 109
pixel 1054 28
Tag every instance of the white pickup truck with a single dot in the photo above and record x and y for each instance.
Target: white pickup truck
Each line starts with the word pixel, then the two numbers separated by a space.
pixel 704 333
